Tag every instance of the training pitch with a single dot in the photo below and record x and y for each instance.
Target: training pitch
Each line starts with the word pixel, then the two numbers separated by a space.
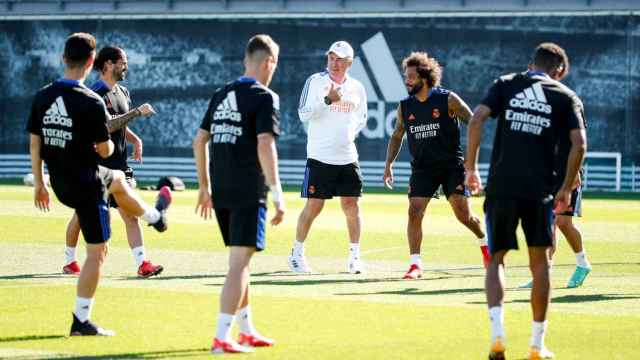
pixel 326 315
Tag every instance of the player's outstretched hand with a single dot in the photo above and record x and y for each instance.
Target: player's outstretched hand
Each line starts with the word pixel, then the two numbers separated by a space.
pixel 280 210
pixel 205 204
pixel 146 109
pixel 41 197
pixel 387 178
pixel 473 182
pixel 562 201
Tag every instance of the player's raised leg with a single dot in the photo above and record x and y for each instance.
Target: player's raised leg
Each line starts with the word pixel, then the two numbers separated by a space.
pixel 460 205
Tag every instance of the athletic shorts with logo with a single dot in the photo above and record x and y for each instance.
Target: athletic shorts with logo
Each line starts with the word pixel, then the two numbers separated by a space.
pixel 243 226
pixel 502 216
pixel 128 175
pixel 89 202
pixel 324 181
pixel 425 182
pixel 575 208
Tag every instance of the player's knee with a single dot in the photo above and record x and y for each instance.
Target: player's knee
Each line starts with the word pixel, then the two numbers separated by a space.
pixel 564 223
pixel 416 212
pixel 118 181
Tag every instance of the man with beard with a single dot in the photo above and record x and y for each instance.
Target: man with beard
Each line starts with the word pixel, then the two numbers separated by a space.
pixel 431 117
pixel 111 63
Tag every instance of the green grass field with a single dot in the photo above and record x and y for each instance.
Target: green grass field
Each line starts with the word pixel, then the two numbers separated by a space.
pixel 327 315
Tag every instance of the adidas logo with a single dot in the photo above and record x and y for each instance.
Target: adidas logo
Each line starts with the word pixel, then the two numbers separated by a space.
pixel 390 91
pixel 228 109
pixel 531 98
pixel 57 114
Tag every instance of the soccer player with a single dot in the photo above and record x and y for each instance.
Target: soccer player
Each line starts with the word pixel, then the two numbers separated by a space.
pixel 68 125
pixel 535 114
pixel 431 117
pixel 333 106
pixel 111 63
pixel 241 123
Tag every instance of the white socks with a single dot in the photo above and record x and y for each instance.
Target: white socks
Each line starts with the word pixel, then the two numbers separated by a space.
pixel 245 323
pixel 354 250
pixel 581 259
pixel 483 241
pixel 496 316
pixel 83 308
pixel 151 215
pixel 537 334
pixel 70 255
pixel 139 254
pixel 298 248
pixel 223 329
pixel 415 259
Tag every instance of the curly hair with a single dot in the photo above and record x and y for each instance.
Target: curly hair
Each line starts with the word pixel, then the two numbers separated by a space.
pixel 427 67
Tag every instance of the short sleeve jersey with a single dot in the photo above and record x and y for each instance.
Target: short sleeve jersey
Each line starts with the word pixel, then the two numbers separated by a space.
pixel 71 119
pixel 237 114
pixel 433 132
pixel 118 102
pixel 534 113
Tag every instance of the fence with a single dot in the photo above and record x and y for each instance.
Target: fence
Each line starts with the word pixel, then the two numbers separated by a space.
pixel 597 177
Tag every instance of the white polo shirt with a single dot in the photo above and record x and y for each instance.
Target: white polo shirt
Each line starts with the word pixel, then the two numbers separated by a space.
pixel 332 129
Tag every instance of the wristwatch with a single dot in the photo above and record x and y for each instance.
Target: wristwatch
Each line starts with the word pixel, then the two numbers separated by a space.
pixel 327 100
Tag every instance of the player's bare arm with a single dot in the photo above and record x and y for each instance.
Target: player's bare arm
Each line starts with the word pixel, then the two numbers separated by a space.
pixel 120 121
pixel 474 135
pixel 268 156
pixel 135 140
pixel 201 155
pixel 459 108
pixel 40 192
pixel 393 148
pixel 574 163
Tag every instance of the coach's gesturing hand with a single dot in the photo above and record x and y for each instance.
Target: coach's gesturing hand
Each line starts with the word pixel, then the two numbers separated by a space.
pixel 205 204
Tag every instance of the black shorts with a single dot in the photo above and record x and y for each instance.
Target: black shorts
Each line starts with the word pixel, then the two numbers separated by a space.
pixel 425 182
pixel 88 198
pixel 324 181
pixel 243 226
pixel 575 208
pixel 128 175
pixel 503 215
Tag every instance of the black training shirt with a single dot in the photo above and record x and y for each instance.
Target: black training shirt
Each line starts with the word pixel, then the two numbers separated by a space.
pixel 118 102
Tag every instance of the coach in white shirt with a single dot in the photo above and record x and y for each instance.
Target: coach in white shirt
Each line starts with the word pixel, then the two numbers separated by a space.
pixel 333 107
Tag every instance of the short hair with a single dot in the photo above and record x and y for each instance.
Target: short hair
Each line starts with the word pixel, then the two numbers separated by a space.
pixel 264 44
pixel 549 56
pixel 78 49
pixel 108 53
pixel 427 67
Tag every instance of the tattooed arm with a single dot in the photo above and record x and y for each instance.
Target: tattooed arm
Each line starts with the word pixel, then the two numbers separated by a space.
pixel 459 108
pixel 120 121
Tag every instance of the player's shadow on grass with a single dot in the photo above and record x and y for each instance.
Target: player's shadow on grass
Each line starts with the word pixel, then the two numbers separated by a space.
pixel 161 354
pixel 30 338
pixel 304 281
pixel 174 277
pixel 571 299
pixel 35 276
pixel 416 291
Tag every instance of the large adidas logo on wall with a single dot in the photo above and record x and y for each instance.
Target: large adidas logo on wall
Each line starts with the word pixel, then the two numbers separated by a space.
pixel 531 98
pixel 390 89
